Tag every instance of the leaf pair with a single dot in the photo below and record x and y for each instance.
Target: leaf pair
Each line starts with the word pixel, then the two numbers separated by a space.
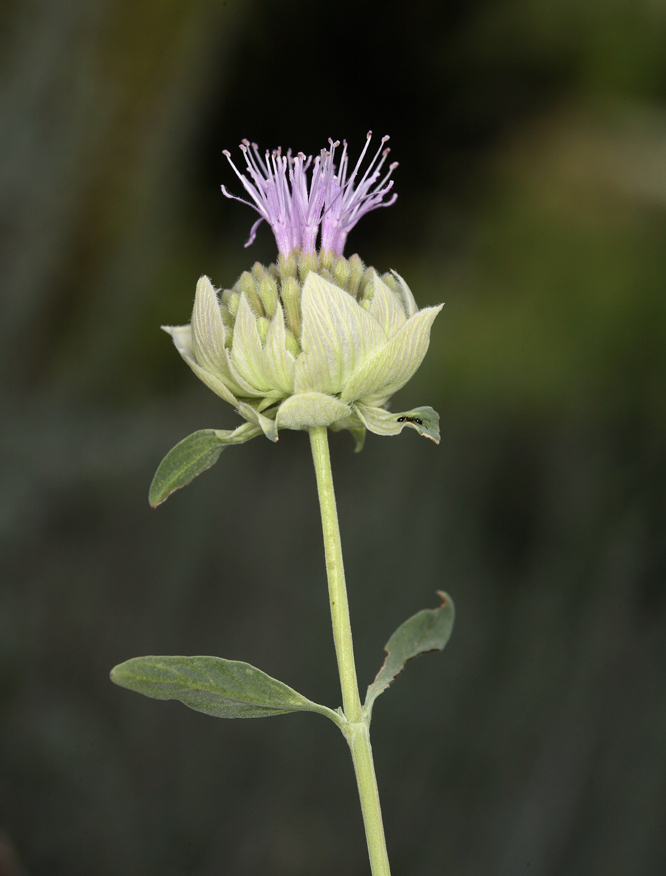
pixel 233 689
pixel 200 450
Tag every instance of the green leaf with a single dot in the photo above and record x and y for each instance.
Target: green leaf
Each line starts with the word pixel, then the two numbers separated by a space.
pixel 193 455
pixel 427 630
pixel 222 688
pixel 424 420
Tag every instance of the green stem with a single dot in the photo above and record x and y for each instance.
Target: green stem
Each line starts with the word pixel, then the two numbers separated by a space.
pixel 357 729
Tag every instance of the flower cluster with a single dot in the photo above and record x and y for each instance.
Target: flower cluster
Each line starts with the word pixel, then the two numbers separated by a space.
pixel 315 339
pixel 278 186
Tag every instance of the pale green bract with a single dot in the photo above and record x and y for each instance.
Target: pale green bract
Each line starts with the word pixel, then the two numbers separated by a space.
pixel 334 361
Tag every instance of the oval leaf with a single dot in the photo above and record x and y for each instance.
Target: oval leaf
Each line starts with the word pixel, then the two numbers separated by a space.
pixel 222 688
pixel 427 630
pixel 191 456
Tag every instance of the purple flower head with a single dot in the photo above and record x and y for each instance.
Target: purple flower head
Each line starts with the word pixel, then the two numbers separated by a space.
pixel 297 209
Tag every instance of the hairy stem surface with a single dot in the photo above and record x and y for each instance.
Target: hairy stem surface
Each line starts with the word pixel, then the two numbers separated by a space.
pixel 356 730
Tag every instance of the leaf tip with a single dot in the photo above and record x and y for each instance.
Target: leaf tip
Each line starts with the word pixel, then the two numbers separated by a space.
pixel 156 498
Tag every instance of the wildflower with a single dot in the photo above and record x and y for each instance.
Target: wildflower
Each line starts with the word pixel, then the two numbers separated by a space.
pixel 315 339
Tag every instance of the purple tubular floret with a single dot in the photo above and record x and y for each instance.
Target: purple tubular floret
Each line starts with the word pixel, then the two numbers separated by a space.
pixel 328 204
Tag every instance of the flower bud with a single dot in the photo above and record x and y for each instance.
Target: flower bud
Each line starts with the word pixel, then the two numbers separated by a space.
pixel 247 285
pixel 268 292
pixel 341 272
pixel 291 299
pixel 356 270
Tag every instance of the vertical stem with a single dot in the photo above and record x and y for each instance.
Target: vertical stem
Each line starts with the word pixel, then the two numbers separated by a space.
pixel 357 730
pixel 337 589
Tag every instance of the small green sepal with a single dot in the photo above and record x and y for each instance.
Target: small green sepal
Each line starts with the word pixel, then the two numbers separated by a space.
pixel 217 687
pixel 427 630
pixel 191 456
pixel 359 438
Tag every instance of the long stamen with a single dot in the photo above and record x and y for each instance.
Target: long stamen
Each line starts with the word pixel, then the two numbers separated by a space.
pixel 247 185
pixel 383 153
pixel 296 208
pixel 348 203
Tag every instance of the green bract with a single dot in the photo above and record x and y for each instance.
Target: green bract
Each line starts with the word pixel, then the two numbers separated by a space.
pixel 315 341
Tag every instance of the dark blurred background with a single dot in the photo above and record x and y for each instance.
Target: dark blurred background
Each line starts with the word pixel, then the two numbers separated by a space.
pixel 531 137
